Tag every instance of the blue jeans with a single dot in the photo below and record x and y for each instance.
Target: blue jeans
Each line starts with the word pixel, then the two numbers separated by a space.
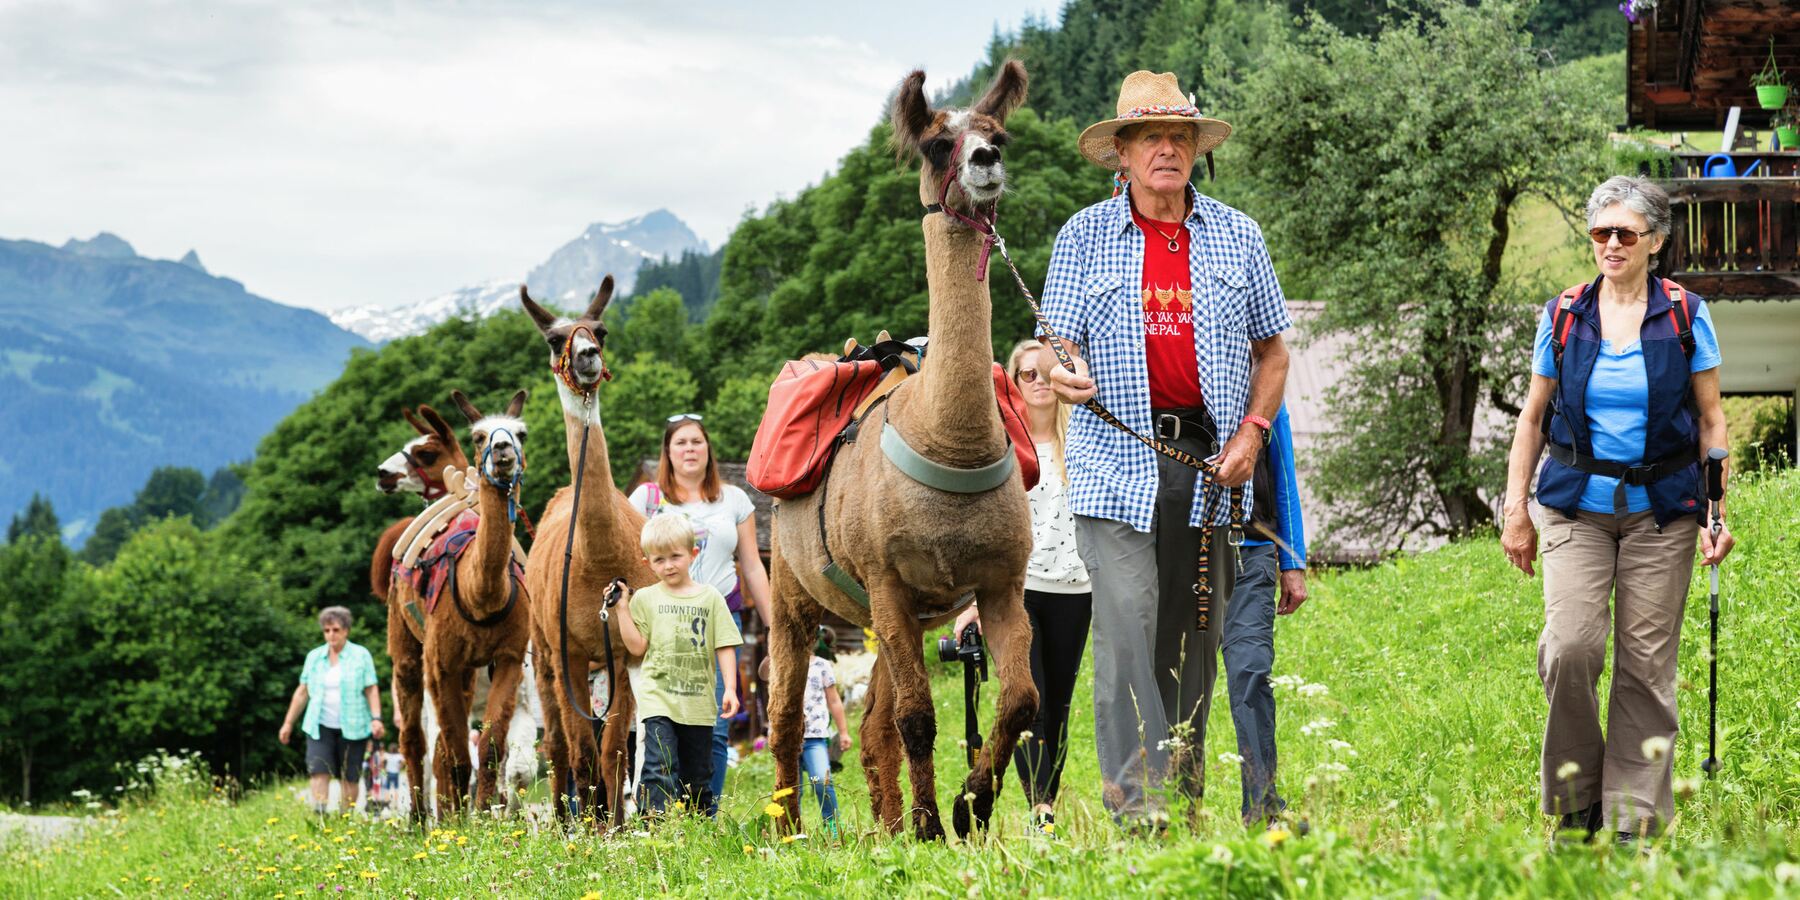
pixel 1249 650
pixel 676 765
pixel 815 759
pixel 721 739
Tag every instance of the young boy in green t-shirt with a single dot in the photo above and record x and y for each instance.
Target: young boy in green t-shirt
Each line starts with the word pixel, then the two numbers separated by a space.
pixel 682 629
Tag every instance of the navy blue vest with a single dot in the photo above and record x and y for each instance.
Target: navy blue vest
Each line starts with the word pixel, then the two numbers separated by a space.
pixel 1671 431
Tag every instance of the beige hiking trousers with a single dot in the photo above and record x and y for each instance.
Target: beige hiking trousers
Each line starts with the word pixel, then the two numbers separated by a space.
pixel 1646 573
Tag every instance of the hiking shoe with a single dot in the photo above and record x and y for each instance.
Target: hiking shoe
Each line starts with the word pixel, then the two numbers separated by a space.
pixel 1589 821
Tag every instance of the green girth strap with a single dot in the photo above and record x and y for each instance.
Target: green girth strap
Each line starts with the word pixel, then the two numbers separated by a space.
pixel 942 477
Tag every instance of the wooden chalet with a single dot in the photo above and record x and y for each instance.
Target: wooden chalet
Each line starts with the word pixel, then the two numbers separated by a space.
pixel 1736 235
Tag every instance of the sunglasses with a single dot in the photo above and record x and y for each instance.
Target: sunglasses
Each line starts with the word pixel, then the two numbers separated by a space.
pixel 1028 375
pixel 682 416
pixel 1626 236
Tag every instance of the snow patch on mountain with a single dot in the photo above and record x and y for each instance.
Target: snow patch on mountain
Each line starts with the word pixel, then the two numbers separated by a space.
pixel 567 277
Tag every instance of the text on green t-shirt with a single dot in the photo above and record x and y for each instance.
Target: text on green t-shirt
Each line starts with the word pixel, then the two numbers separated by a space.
pixel 682 632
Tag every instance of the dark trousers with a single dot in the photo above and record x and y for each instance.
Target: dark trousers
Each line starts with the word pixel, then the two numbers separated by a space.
pixel 677 765
pixel 1059 633
pixel 1249 651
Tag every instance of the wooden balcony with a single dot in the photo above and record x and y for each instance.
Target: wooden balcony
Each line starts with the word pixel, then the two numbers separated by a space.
pixel 1736 238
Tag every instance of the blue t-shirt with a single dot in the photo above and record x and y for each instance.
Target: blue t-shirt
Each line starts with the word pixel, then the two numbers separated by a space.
pixel 1618 403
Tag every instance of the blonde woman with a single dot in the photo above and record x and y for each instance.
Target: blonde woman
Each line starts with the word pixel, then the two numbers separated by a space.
pixel 1057 598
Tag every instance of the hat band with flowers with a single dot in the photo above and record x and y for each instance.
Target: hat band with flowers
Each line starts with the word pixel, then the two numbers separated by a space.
pixel 1138 112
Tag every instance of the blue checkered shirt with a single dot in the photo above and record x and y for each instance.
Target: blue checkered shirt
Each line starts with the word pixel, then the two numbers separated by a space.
pixel 1091 296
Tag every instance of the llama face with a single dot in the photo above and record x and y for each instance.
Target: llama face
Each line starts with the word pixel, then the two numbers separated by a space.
pixel 968 141
pixel 578 344
pixel 499 439
pixel 500 445
pixel 424 458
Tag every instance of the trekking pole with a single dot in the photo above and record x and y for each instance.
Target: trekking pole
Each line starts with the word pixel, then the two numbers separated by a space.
pixel 1715 492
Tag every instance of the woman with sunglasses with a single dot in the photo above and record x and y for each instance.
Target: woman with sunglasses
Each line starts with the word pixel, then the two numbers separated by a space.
pixel 687 482
pixel 1628 404
pixel 1057 597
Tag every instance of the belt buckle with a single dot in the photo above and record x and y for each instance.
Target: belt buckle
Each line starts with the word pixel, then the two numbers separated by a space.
pixel 1168 427
pixel 1637 476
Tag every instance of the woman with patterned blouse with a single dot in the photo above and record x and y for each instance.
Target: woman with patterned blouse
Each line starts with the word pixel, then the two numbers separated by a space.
pixel 342 699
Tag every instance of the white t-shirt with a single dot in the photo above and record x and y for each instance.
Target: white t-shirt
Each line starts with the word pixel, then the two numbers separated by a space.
pixel 331 710
pixel 715 525
pixel 1055 567
pixel 393 761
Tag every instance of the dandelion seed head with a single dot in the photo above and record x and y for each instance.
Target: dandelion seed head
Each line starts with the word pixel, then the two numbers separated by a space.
pixel 1655 748
pixel 1568 770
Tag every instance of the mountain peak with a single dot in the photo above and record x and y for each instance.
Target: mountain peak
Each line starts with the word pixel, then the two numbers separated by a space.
pixel 192 261
pixel 105 245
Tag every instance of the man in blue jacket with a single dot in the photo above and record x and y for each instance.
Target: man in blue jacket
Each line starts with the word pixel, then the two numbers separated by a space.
pixel 1249 640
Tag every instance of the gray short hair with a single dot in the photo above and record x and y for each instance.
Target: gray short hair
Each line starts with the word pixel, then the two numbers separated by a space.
pixel 1640 195
pixel 337 614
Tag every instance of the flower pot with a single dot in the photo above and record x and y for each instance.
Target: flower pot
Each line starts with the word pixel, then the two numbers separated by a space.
pixel 1771 96
pixel 1789 136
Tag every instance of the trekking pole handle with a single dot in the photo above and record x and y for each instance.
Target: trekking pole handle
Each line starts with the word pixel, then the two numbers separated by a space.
pixel 1715 474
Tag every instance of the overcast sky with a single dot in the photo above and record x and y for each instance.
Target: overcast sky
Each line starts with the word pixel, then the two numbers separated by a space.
pixel 332 154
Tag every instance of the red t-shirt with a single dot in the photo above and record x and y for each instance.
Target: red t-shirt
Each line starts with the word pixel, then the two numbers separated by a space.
pixel 1168 297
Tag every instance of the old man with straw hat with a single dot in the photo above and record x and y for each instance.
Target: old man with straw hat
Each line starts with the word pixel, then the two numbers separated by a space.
pixel 1174 317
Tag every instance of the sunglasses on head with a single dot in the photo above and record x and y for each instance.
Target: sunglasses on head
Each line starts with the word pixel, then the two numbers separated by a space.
pixel 683 416
pixel 1626 236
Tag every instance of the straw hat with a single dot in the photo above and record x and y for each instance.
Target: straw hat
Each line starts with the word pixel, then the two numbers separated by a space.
pixel 1149 97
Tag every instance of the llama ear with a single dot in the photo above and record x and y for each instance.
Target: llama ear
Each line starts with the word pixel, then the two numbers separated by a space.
pixel 413 420
pixel 1007 92
pixel 544 318
pixel 516 406
pixel 912 113
pixel 468 409
pixel 439 426
pixel 601 298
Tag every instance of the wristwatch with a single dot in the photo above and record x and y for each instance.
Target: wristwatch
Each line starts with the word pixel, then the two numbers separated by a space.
pixel 1264 424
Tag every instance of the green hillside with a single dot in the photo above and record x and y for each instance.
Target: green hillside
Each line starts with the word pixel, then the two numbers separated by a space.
pixel 1426 670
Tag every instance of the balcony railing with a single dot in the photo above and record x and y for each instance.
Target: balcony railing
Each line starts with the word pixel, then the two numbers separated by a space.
pixel 1736 237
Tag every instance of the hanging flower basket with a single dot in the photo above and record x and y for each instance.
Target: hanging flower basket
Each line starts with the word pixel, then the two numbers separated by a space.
pixel 1771 96
pixel 1789 136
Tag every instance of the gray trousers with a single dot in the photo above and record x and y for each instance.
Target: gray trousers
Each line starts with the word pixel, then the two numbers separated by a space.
pixel 1152 669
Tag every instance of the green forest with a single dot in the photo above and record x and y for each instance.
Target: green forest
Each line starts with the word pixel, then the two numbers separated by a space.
pixel 1414 137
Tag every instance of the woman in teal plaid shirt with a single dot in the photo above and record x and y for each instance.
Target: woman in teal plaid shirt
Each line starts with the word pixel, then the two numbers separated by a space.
pixel 339 692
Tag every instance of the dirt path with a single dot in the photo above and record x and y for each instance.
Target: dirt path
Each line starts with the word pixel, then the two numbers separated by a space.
pixel 40 829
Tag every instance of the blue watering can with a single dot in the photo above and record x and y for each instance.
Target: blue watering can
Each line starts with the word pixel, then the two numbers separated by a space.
pixel 1720 165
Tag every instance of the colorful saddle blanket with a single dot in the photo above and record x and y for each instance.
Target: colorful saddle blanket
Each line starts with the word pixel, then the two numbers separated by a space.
pixel 434 565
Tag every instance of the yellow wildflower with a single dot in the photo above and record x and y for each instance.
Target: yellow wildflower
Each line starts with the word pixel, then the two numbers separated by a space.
pixel 774 810
pixel 591 895
pixel 749 850
pixel 271 820
pixel 782 793
pixel 420 855
pixel 519 833
pixel 1275 837
pixel 371 876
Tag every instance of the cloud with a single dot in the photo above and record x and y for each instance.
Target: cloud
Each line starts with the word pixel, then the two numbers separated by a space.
pixel 342 153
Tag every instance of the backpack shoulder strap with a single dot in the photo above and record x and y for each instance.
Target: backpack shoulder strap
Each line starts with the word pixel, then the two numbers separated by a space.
pixel 1563 321
pixel 1681 315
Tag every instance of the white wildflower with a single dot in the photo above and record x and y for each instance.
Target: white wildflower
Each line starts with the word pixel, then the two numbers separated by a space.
pixel 1333 769
pixel 1316 726
pixel 1656 748
pixel 1026 735
pixel 1221 854
pixel 1230 759
pixel 1287 681
pixel 1787 873
pixel 1313 690
pixel 1341 747
pixel 1568 770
